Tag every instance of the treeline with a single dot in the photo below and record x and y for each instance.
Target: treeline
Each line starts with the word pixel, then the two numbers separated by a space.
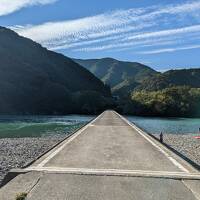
pixel 91 102
pixel 60 103
pixel 183 77
pixel 175 101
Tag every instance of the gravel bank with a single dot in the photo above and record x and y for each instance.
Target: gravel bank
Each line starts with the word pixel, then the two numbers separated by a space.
pixel 17 152
pixel 185 144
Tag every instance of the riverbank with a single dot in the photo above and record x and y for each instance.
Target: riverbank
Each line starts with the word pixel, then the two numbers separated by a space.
pixel 185 144
pixel 18 152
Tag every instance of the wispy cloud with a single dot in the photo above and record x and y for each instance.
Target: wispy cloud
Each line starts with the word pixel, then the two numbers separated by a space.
pixel 169 36
pixel 81 29
pixel 10 6
pixel 168 32
pixel 120 29
pixel 167 50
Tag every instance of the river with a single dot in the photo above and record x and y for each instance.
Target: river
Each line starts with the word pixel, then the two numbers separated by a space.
pixel 37 126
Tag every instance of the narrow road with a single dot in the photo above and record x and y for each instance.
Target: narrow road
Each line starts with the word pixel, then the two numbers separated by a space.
pixel 108 159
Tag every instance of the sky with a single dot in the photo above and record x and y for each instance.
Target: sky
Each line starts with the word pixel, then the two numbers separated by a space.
pixel 163 34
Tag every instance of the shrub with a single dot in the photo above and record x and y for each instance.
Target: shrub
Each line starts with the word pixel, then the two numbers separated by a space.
pixel 21 196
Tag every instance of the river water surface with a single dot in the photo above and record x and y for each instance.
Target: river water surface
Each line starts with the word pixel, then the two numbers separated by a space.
pixel 37 126
pixel 167 125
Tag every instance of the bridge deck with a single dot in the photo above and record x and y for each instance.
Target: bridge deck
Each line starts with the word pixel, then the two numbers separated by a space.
pixel 132 164
pixel 110 143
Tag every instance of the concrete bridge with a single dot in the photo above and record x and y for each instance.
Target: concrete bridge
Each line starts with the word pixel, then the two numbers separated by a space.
pixel 108 159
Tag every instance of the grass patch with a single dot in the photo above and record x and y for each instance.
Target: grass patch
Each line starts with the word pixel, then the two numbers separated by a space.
pixel 21 196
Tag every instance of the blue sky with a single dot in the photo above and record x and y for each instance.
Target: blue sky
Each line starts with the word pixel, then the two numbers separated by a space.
pixel 163 34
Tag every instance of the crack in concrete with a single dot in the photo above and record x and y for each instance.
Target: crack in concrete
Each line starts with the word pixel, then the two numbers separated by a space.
pixel 34 185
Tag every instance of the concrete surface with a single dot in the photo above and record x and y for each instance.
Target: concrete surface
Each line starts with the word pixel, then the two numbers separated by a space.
pixel 107 159
pixel 108 188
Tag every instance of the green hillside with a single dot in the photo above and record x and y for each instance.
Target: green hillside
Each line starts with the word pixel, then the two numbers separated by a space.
pixel 181 77
pixel 175 93
pixel 34 80
pixel 121 76
pixel 179 101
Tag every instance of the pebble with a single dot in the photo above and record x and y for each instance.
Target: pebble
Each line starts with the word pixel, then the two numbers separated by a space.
pixel 18 152
pixel 187 145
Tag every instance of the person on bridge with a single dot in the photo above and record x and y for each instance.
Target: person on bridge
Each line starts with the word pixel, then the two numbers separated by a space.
pixel 161 137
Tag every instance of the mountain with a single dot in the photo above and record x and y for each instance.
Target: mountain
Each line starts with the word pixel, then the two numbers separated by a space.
pixel 183 77
pixel 34 80
pixel 121 76
pixel 175 93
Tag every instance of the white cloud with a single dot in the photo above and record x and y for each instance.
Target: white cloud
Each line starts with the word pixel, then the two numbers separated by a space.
pixel 118 29
pixel 89 27
pixel 167 50
pixel 156 38
pixel 106 36
pixel 9 6
pixel 168 32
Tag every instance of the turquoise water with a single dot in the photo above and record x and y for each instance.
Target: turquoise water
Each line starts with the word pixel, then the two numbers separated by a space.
pixel 36 126
pixel 167 125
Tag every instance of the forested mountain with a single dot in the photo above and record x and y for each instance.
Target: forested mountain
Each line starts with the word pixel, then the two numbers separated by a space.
pixel 174 93
pixel 124 77
pixel 121 76
pixel 181 77
pixel 34 80
pixel 179 101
